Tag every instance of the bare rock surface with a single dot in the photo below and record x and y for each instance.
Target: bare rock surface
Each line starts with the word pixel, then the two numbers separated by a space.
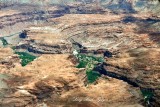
pixel 141 66
pixel 102 31
pixel 52 79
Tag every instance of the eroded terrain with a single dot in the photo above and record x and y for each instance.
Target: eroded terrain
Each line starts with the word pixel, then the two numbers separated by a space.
pixel 41 62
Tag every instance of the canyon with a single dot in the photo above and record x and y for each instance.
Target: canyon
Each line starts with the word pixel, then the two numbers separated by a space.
pixel 40 53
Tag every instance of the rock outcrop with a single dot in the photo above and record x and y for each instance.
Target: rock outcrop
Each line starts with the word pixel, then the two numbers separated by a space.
pixel 131 61
pixel 140 66
pixel 102 32
pixel 45 40
pixel 54 80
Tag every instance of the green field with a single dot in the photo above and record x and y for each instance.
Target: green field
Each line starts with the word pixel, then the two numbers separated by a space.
pixel 89 62
pixel 25 58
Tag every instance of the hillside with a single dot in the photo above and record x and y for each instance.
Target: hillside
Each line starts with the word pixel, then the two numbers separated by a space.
pixel 78 55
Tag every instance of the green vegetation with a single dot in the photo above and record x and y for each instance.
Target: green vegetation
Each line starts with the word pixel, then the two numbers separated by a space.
pixel 26 58
pixel 85 60
pixel 13 47
pixel 92 76
pixel 147 94
pixel 89 62
pixel 4 42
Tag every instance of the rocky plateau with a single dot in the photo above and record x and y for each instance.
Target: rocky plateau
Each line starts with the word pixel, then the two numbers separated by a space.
pixel 128 43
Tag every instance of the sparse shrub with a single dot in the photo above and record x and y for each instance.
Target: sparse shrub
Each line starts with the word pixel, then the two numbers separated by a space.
pixel 4 41
pixel 147 94
pixel 13 47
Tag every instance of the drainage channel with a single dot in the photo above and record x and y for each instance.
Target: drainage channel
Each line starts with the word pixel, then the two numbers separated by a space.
pixel 95 70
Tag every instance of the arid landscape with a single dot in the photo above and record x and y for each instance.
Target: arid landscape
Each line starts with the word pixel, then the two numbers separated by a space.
pixel 79 53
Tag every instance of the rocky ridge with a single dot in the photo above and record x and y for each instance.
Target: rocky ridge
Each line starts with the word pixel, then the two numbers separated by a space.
pixel 53 79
